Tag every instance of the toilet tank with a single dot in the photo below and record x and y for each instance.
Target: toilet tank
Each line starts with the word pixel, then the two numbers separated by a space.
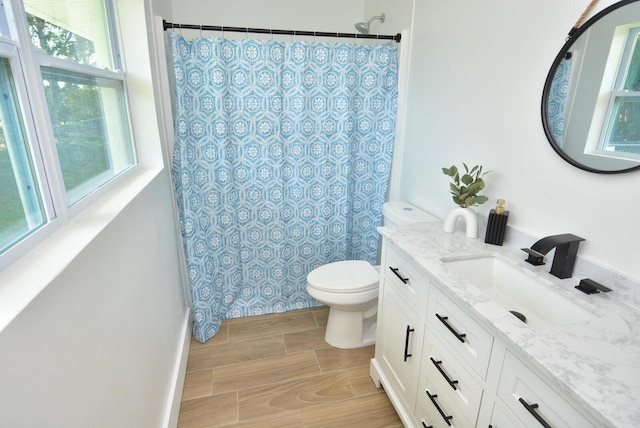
pixel 400 212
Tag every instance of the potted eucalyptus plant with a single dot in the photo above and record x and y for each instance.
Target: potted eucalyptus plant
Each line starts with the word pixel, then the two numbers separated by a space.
pixel 465 188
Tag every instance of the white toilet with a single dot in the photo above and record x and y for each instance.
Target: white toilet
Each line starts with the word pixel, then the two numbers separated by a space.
pixel 350 288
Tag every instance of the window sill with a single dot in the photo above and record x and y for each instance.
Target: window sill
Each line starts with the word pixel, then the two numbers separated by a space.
pixel 22 281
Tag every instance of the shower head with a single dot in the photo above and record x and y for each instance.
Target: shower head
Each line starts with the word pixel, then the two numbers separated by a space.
pixel 363 27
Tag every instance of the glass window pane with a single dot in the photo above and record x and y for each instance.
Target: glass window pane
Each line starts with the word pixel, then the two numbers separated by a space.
pixel 91 129
pixel 22 209
pixel 624 128
pixel 4 28
pixel 75 30
pixel 632 81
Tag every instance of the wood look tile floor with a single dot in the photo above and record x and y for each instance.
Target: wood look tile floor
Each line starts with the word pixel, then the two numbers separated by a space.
pixel 277 371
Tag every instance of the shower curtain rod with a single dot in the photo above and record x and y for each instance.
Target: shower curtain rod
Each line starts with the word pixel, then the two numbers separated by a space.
pixel 171 25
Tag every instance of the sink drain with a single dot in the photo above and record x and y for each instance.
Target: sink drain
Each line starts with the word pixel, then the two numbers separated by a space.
pixel 520 316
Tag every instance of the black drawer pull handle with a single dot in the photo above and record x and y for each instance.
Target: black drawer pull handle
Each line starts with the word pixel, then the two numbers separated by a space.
pixel 435 403
pixel 425 425
pixel 406 343
pixel 531 408
pixel 395 271
pixel 452 383
pixel 451 329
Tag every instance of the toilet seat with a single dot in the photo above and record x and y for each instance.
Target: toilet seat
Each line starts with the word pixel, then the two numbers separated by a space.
pixel 350 276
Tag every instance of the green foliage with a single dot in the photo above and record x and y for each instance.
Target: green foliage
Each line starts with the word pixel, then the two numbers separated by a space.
pixel 77 119
pixel 74 102
pixel 12 218
pixel 61 43
pixel 632 81
pixel 465 188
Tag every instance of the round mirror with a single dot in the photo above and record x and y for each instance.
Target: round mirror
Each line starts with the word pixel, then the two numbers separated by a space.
pixel 591 98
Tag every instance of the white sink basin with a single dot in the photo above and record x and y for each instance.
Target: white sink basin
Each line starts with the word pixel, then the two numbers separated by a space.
pixel 518 290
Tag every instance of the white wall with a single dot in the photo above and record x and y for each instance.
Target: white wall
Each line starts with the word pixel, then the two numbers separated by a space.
pixel 93 321
pixel 398 15
pixel 326 15
pixel 163 8
pixel 476 78
pixel 98 346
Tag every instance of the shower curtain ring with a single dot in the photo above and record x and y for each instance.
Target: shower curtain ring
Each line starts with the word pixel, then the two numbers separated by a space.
pixel 246 33
pixel 200 30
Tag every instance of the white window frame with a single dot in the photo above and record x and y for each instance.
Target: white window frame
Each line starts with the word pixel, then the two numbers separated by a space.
pixel 43 60
pixel 9 49
pixel 616 93
pixel 25 64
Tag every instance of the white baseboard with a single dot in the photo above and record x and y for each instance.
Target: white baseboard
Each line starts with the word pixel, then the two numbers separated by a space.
pixel 180 369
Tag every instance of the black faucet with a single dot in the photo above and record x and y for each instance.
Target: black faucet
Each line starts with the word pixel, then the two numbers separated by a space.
pixel 566 246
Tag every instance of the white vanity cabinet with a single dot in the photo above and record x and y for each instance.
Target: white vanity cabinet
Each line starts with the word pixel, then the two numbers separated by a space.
pixel 441 367
pixel 399 357
pixel 400 332
pixel 448 392
pixel 533 401
pixel 470 341
pixel 454 366
pixel 503 418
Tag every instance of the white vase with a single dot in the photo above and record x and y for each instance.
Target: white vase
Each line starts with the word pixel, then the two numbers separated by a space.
pixel 470 218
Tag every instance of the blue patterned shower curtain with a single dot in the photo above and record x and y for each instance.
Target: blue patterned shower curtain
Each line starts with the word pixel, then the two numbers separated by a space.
pixel 557 103
pixel 281 163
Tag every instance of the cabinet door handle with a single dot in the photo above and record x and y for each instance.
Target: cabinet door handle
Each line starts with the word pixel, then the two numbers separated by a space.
pixel 435 403
pixel 406 343
pixel 531 408
pixel 395 271
pixel 425 425
pixel 459 336
pixel 452 383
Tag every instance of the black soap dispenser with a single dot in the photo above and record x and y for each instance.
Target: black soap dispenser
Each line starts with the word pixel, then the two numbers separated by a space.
pixel 497 224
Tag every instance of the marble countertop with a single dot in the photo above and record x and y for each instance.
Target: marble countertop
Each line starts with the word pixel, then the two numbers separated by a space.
pixel 595 362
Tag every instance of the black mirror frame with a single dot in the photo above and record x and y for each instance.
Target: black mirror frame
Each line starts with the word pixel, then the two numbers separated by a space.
pixel 573 36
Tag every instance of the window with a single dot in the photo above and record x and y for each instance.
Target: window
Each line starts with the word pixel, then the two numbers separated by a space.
pixel 75 30
pixel 622 133
pixel 84 90
pixel 89 123
pixel 67 132
pixel 22 210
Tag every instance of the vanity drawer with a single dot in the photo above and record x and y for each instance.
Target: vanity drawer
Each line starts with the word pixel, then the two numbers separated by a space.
pixel 432 412
pixel 533 401
pixel 456 328
pixel 442 373
pixel 433 409
pixel 405 276
pixel 503 418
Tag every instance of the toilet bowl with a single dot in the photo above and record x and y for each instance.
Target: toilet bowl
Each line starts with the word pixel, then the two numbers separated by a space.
pixel 350 287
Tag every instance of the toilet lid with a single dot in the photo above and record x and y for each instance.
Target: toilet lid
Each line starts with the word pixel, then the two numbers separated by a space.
pixel 344 277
